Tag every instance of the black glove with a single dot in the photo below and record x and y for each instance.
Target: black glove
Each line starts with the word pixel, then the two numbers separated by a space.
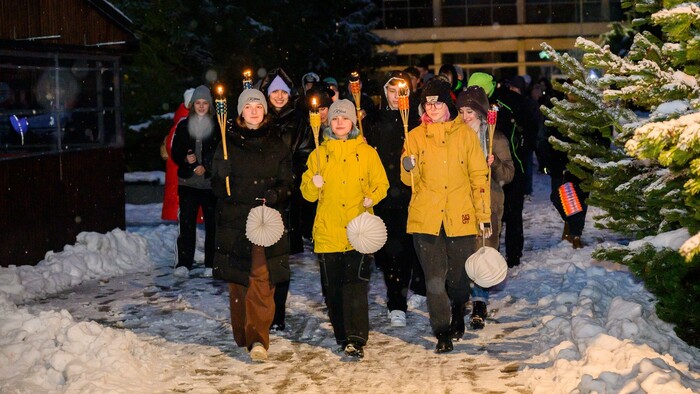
pixel 271 197
pixel 408 162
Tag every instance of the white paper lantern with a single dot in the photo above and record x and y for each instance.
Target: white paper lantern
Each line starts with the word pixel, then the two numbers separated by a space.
pixel 367 233
pixel 264 226
pixel 486 267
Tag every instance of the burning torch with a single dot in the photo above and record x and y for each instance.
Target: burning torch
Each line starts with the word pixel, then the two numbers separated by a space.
pixel 404 109
pixel 247 79
pixel 315 122
pixel 221 117
pixel 355 89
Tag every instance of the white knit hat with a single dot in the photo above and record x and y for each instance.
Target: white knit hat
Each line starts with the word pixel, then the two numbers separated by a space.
pixel 188 97
pixel 344 108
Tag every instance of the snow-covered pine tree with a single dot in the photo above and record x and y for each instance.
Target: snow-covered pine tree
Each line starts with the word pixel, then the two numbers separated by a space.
pixel 651 183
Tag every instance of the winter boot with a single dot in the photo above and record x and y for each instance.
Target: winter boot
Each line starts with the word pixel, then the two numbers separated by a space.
pixel 444 343
pixel 478 315
pixel 258 353
pixel 457 324
pixel 354 350
pixel 565 236
pixel 576 241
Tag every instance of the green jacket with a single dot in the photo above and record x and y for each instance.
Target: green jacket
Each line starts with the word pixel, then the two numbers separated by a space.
pixel 450 180
pixel 351 171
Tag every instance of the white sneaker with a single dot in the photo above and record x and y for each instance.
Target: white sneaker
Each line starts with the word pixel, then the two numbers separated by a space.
pixel 258 353
pixel 182 272
pixel 398 318
pixel 416 301
pixel 208 273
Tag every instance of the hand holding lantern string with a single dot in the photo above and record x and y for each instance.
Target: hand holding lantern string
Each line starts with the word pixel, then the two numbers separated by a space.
pixel 355 89
pixel 404 109
pixel 221 117
pixel 315 122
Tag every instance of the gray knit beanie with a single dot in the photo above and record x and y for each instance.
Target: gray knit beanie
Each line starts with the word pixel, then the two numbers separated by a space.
pixel 344 108
pixel 202 92
pixel 249 96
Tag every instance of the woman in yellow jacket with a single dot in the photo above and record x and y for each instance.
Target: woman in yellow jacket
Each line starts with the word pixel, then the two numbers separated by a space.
pixel 444 161
pixel 347 178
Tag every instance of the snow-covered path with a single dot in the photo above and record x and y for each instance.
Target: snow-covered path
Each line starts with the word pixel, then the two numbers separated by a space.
pixel 560 323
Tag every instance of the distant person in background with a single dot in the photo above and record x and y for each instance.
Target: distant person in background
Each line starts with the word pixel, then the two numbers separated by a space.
pixel 416 83
pixel 194 144
pixel 333 84
pixel 171 202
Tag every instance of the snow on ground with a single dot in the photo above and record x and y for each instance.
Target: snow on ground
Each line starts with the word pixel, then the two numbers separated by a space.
pixel 107 315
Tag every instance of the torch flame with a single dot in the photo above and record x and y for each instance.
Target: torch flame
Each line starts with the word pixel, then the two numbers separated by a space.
pixel 313 103
pixel 220 90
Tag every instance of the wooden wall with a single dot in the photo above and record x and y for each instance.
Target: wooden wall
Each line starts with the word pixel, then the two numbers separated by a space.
pixel 79 23
pixel 45 201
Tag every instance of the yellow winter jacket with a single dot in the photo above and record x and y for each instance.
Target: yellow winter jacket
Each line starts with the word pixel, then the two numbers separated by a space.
pixel 351 170
pixel 450 180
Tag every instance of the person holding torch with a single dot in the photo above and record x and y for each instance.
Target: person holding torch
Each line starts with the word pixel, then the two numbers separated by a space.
pixel 449 206
pixel 475 111
pixel 386 131
pixel 258 167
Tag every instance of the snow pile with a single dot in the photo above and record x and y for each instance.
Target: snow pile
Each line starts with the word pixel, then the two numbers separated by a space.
pixel 143 176
pixel 50 352
pixel 606 338
pixel 93 256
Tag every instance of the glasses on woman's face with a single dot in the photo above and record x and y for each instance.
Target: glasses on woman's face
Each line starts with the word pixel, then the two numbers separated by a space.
pixel 436 105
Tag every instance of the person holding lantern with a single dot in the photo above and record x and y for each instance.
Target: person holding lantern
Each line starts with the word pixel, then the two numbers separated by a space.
pixel 345 175
pixel 449 206
pixel 384 130
pixel 473 106
pixel 257 164
pixel 194 143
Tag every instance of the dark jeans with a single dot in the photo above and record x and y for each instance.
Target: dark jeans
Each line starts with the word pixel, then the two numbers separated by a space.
pixel 442 259
pixel 190 201
pixel 513 219
pixel 577 221
pixel 346 278
pixel 281 292
pixel 398 260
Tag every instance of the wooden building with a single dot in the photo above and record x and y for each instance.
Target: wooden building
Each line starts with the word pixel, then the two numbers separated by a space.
pixel 61 137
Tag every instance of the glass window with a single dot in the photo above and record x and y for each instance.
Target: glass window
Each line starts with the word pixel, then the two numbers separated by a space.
pixel 56 102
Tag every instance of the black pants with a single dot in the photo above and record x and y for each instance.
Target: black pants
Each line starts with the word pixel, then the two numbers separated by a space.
pixel 190 201
pixel 398 260
pixel 513 219
pixel 346 277
pixel 281 292
pixel 442 259
pixel 577 221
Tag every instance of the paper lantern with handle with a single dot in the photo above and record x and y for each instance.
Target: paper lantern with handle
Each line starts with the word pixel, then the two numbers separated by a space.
pixel 264 226
pixel 486 267
pixel 367 233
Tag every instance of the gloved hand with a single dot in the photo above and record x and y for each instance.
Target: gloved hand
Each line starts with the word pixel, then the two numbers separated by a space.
pixel 317 180
pixel 367 202
pixel 485 229
pixel 409 162
pixel 271 197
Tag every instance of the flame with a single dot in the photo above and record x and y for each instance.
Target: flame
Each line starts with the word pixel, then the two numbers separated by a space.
pixel 247 73
pixel 220 90
pixel 313 102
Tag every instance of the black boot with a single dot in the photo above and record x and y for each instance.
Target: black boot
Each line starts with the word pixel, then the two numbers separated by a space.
pixel 565 236
pixel 457 324
pixel 478 315
pixel 444 343
pixel 576 241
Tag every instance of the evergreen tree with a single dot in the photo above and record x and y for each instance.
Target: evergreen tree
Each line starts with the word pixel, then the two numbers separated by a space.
pixel 650 183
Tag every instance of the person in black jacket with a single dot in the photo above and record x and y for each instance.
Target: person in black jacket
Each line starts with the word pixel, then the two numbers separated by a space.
pixel 385 132
pixel 278 87
pixel 194 143
pixel 258 166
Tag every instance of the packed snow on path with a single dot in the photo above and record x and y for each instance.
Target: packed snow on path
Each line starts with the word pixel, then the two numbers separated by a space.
pixel 107 315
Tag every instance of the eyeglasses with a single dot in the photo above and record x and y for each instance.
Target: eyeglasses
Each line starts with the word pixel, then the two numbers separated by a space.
pixel 436 105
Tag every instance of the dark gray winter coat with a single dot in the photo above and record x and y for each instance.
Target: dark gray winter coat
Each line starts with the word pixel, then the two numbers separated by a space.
pixel 258 165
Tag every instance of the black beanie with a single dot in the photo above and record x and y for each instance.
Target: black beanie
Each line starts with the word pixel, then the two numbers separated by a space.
pixel 475 98
pixel 441 89
pixel 322 92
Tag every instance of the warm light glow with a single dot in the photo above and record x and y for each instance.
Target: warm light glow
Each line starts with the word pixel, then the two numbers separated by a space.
pixel 247 73
pixel 220 90
pixel 313 103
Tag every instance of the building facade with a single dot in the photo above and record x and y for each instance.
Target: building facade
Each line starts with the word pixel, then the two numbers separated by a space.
pixel 501 37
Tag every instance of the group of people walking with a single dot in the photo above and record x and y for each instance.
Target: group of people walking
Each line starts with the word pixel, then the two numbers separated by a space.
pixel 441 189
